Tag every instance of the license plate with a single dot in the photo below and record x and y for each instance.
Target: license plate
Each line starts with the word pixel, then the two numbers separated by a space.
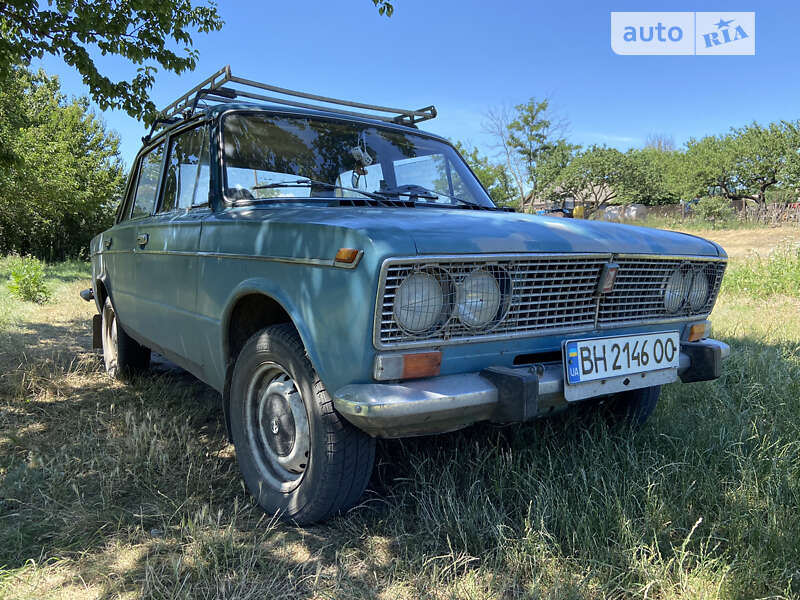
pixel 604 358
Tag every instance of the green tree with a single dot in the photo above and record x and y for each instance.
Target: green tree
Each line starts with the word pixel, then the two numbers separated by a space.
pixel 551 164
pixel 527 137
pixel 493 176
pixel 651 176
pixel 791 175
pixel 709 167
pixel 148 34
pixel 533 134
pixel 762 155
pixel 595 178
pixel 743 164
pixel 66 177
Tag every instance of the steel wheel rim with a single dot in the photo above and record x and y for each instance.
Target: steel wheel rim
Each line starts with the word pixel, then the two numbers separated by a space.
pixel 276 424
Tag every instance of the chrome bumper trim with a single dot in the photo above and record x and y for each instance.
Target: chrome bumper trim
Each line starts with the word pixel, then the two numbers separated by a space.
pixel 450 402
pixel 433 405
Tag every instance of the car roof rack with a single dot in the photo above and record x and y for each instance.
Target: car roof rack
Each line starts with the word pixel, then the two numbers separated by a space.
pixel 214 89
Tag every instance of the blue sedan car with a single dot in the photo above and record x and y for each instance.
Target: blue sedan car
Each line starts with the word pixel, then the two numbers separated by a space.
pixel 339 275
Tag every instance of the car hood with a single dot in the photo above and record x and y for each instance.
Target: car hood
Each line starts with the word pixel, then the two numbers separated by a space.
pixel 457 231
pixel 479 232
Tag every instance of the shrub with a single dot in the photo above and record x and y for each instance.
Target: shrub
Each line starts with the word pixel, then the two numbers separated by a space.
pixel 713 209
pixel 26 280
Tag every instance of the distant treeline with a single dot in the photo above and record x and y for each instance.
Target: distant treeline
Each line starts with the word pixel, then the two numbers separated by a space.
pixel 535 162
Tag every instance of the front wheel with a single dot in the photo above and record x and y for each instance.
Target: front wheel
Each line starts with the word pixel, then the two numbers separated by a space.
pixel 122 354
pixel 298 457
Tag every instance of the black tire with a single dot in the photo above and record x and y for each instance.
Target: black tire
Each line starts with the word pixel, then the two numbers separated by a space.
pixel 276 400
pixel 123 356
pixel 634 407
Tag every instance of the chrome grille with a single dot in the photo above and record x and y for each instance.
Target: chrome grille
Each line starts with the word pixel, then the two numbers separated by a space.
pixel 638 293
pixel 545 294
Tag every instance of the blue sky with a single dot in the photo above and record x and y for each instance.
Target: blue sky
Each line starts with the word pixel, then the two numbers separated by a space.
pixel 471 55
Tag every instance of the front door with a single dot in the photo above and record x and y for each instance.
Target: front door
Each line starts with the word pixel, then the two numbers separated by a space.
pixel 167 260
pixel 122 244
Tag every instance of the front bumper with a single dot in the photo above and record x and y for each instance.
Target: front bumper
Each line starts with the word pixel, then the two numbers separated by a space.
pixel 450 402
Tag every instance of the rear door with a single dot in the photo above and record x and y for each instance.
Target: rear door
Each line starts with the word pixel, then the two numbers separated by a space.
pixel 167 259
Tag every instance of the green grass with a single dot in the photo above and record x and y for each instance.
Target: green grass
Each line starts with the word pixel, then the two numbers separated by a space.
pixel 765 276
pixel 132 490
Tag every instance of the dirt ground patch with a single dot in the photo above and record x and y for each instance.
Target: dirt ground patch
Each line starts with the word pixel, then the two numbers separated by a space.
pixel 739 243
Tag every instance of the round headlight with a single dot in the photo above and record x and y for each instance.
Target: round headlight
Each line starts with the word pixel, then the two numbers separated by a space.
pixel 677 289
pixel 698 293
pixel 478 299
pixel 418 302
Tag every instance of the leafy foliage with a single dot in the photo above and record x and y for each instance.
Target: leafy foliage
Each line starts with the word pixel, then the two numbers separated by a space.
pixel 594 177
pixel 530 143
pixel 146 33
pixel 534 135
pixel 754 163
pixel 384 7
pixel 744 163
pixel 27 279
pixel 493 176
pixel 65 176
pixel 713 209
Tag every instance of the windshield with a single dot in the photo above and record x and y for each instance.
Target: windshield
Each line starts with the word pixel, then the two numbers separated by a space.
pixel 317 158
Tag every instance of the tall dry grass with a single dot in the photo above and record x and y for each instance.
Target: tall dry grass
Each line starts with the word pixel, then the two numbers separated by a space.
pixel 111 490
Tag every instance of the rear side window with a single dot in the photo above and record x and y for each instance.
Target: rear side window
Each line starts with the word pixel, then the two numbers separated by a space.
pixel 187 179
pixel 147 186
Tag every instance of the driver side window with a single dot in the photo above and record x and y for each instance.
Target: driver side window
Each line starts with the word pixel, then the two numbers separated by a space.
pixel 147 186
pixel 187 177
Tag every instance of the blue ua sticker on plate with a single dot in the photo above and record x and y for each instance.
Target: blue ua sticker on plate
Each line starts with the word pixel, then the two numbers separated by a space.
pixel 573 369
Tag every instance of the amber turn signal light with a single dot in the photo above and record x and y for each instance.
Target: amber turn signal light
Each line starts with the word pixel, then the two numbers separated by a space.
pixel 407 366
pixel 346 255
pixel 698 331
pixel 422 364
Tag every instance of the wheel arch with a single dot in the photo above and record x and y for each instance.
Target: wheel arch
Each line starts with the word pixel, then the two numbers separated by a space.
pixel 253 306
pixel 100 292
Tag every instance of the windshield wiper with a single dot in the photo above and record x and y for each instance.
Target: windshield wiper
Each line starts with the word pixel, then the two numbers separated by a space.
pixel 418 191
pixel 311 183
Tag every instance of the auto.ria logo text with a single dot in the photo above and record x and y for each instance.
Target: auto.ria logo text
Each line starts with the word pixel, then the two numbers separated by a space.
pixel 687 33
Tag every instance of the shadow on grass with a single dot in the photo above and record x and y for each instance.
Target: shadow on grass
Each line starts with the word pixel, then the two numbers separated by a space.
pixel 136 486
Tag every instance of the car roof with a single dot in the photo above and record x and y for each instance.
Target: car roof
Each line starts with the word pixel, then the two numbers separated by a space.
pixel 217 110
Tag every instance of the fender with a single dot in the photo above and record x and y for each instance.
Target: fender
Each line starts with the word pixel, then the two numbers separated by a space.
pixel 99 299
pixel 258 285
pixel 270 290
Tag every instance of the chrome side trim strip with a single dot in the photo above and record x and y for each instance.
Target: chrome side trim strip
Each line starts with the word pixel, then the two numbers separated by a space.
pixel 316 262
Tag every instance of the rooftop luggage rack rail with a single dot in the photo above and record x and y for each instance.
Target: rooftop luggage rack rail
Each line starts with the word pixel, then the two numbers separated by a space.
pixel 214 89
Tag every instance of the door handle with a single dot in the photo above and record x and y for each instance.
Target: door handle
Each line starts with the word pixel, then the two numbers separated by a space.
pixel 107 242
pixel 142 239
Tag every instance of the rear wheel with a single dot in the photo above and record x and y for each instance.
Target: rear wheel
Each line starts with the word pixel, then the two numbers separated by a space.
pixel 298 457
pixel 633 407
pixel 123 356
